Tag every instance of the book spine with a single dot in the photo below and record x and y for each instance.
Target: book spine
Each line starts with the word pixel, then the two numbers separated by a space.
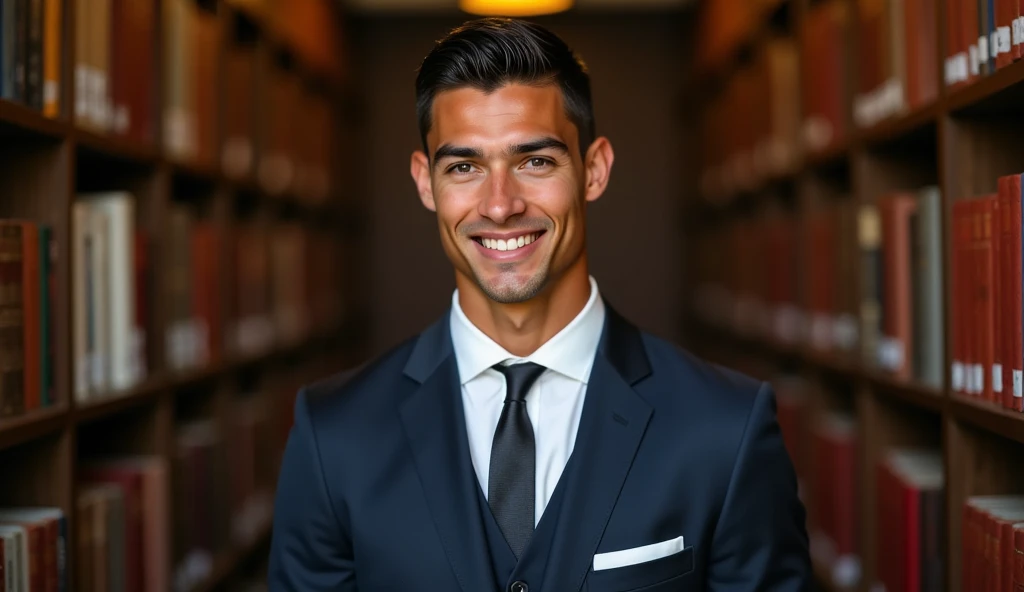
pixel 34 56
pixel 53 44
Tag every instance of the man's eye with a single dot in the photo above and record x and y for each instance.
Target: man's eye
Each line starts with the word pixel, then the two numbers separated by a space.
pixel 538 162
pixel 462 168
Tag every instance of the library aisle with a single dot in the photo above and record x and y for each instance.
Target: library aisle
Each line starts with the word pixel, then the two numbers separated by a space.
pixel 179 247
pixel 854 235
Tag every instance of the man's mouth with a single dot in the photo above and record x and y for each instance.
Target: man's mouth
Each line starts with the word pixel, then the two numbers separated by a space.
pixel 510 243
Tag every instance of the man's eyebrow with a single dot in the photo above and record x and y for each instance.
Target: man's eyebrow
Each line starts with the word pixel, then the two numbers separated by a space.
pixel 450 151
pixel 536 145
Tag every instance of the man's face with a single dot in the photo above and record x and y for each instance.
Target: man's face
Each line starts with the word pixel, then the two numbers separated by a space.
pixel 509 186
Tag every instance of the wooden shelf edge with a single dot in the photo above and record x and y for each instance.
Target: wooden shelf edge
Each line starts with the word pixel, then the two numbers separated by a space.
pixel 915 393
pixel 989 417
pixel 899 127
pixel 984 88
pixel 31 426
pixel 116 148
pixel 113 403
pixel 829 157
pixel 831 363
pixel 31 121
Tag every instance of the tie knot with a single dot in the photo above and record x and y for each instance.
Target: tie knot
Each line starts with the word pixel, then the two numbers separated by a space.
pixel 519 378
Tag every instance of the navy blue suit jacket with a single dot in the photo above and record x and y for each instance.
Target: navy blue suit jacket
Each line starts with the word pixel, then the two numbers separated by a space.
pixel 376 488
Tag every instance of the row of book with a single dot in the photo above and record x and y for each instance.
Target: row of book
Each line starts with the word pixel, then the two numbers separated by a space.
pixel 987 327
pixel 981 38
pixel 751 131
pixel 792 98
pixel 248 114
pixel 28 266
pixel 823 59
pixel 909 498
pixel 30 54
pixel 860 282
pixel 224 292
pixel 896 58
pixel 146 523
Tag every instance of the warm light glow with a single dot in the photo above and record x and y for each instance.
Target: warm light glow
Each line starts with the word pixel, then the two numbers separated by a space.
pixel 514 7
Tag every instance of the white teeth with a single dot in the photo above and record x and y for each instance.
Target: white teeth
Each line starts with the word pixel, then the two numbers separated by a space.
pixel 510 244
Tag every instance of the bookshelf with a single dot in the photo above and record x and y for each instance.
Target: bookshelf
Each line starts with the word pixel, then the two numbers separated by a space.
pixel 194 147
pixel 818 271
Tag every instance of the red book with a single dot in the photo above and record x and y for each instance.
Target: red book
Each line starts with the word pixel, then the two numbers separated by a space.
pixel 131 485
pixel 1018 557
pixel 995 372
pixel 1015 319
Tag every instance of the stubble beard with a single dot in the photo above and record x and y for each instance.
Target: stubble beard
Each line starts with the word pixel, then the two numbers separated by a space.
pixel 509 287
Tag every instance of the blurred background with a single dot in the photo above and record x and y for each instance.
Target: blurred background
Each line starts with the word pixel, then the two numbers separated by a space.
pixel 205 205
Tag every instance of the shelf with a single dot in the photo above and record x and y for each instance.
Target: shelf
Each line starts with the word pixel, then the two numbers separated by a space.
pixel 113 403
pixel 907 126
pixel 226 565
pixel 191 171
pixel 1002 91
pixel 989 416
pixel 115 148
pixel 832 157
pixel 914 393
pixel 25 428
pixel 831 363
pixel 19 120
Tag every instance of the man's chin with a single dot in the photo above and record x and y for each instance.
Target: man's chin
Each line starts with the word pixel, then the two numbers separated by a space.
pixel 511 287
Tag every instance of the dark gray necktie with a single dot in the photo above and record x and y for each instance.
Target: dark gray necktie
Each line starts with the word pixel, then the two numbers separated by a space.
pixel 510 483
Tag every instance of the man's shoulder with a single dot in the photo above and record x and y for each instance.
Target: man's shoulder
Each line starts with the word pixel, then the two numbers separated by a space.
pixel 375 377
pixel 698 382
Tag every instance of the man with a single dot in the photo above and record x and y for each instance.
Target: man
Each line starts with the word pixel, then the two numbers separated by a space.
pixel 532 438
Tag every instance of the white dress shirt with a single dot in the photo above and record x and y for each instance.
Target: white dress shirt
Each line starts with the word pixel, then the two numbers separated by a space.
pixel 554 402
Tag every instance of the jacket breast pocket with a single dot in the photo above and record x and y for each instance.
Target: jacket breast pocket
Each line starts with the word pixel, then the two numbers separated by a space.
pixel 646 576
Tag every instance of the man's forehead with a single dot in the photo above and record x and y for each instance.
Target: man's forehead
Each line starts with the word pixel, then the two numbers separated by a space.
pixel 508 110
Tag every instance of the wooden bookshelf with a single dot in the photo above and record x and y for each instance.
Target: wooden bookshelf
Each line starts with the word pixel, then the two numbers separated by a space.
pixel 960 140
pixel 298 212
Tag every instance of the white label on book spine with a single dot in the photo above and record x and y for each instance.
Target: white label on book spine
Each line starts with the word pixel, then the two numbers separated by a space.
pixel 997 378
pixel 1018 383
pixel 1005 40
pixel 982 49
pixel 958 376
pixel 979 378
pixel 963 69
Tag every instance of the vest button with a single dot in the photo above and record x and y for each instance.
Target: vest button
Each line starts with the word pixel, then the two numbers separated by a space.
pixel 519 587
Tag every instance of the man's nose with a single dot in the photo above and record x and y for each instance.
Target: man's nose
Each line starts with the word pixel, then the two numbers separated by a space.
pixel 502 197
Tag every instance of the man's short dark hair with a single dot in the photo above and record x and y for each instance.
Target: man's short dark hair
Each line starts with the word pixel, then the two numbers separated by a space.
pixel 491 52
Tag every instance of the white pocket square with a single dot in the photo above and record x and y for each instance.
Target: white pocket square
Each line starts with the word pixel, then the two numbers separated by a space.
pixel 637 555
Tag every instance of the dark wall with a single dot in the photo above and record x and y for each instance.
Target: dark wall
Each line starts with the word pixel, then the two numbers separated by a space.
pixel 635 62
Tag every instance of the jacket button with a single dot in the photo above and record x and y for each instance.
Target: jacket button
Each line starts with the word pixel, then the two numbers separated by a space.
pixel 519 587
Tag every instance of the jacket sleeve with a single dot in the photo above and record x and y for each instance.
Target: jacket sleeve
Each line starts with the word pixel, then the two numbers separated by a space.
pixel 761 542
pixel 311 548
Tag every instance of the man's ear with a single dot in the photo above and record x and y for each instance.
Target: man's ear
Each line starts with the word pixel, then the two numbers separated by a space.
pixel 598 163
pixel 419 167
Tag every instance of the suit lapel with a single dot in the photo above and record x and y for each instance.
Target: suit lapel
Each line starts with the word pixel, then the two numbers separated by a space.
pixel 611 428
pixel 435 427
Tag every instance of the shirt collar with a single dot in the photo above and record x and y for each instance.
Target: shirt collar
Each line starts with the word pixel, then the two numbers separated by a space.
pixel 570 352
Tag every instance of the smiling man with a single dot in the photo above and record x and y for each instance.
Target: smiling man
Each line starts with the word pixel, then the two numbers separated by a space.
pixel 531 438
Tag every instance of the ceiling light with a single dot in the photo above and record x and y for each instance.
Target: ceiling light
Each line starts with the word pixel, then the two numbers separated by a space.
pixel 514 7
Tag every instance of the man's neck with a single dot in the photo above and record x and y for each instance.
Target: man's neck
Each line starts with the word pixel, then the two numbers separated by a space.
pixel 523 327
